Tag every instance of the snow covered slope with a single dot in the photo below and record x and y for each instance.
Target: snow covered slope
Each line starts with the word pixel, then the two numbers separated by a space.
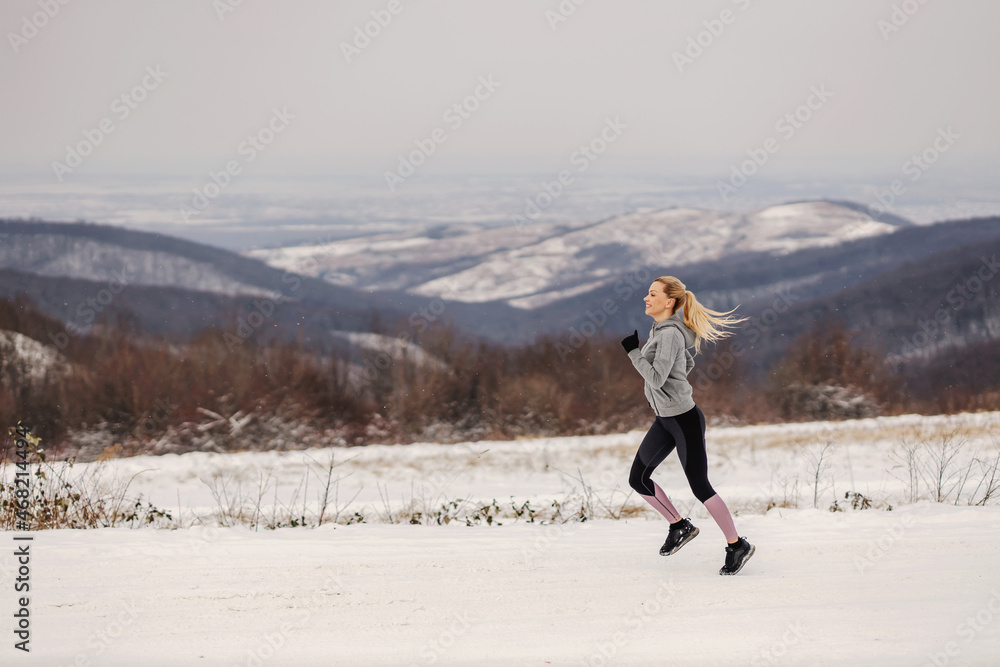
pixel 917 585
pixel 753 466
pixel 885 589
pixel 533 265
pixel 23 358
pixel 106 261
pixel 169 285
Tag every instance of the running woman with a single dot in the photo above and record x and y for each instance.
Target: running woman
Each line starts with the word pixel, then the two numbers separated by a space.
pixel 680 322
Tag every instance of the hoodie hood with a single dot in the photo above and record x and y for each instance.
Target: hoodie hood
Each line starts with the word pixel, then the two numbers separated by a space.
pixel 677 320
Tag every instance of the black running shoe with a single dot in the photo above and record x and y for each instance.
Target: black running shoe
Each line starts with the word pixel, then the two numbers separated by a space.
pixel 737 556
pixel 680 534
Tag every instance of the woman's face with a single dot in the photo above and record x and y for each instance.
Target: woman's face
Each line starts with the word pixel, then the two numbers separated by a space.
pixel 658 306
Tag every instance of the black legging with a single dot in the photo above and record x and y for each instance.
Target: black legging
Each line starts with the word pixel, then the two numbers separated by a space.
pixel 686 432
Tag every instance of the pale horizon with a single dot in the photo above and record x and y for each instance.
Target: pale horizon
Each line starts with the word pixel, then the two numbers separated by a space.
pixel 552 84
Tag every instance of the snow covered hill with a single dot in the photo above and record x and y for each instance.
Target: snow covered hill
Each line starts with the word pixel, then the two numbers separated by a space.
pixel 507 284
pixel 74 271
pixel 535 264
pixel 45 251
pixel 24 359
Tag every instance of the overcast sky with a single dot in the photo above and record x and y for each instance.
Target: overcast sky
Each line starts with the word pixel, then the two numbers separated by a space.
pixel 888 92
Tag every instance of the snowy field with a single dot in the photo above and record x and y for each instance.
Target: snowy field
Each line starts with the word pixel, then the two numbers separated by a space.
pixel 918 585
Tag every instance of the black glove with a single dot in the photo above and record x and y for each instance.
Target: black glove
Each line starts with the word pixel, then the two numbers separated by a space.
pixel 631 342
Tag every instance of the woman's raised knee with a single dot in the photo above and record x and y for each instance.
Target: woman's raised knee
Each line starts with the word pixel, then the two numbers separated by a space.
pixel 641 483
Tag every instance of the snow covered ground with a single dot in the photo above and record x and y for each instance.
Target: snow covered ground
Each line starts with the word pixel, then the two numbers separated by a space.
pixel 918 585
pixel 751 467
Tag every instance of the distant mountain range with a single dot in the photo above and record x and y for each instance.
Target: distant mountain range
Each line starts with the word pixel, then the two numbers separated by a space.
pixel 535 265
pixel 76 271
pixel 880 274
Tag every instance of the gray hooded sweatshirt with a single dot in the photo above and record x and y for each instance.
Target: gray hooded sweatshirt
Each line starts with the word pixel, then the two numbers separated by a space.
pixel 664 363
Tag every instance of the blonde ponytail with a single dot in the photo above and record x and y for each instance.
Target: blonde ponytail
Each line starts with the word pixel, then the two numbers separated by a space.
pixel 706 323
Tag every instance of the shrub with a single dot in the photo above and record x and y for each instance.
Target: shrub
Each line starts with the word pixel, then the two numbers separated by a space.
pixel 55 496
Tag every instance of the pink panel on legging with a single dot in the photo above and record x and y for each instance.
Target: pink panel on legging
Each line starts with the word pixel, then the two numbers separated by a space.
pixel 717 508
pixel 662 504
